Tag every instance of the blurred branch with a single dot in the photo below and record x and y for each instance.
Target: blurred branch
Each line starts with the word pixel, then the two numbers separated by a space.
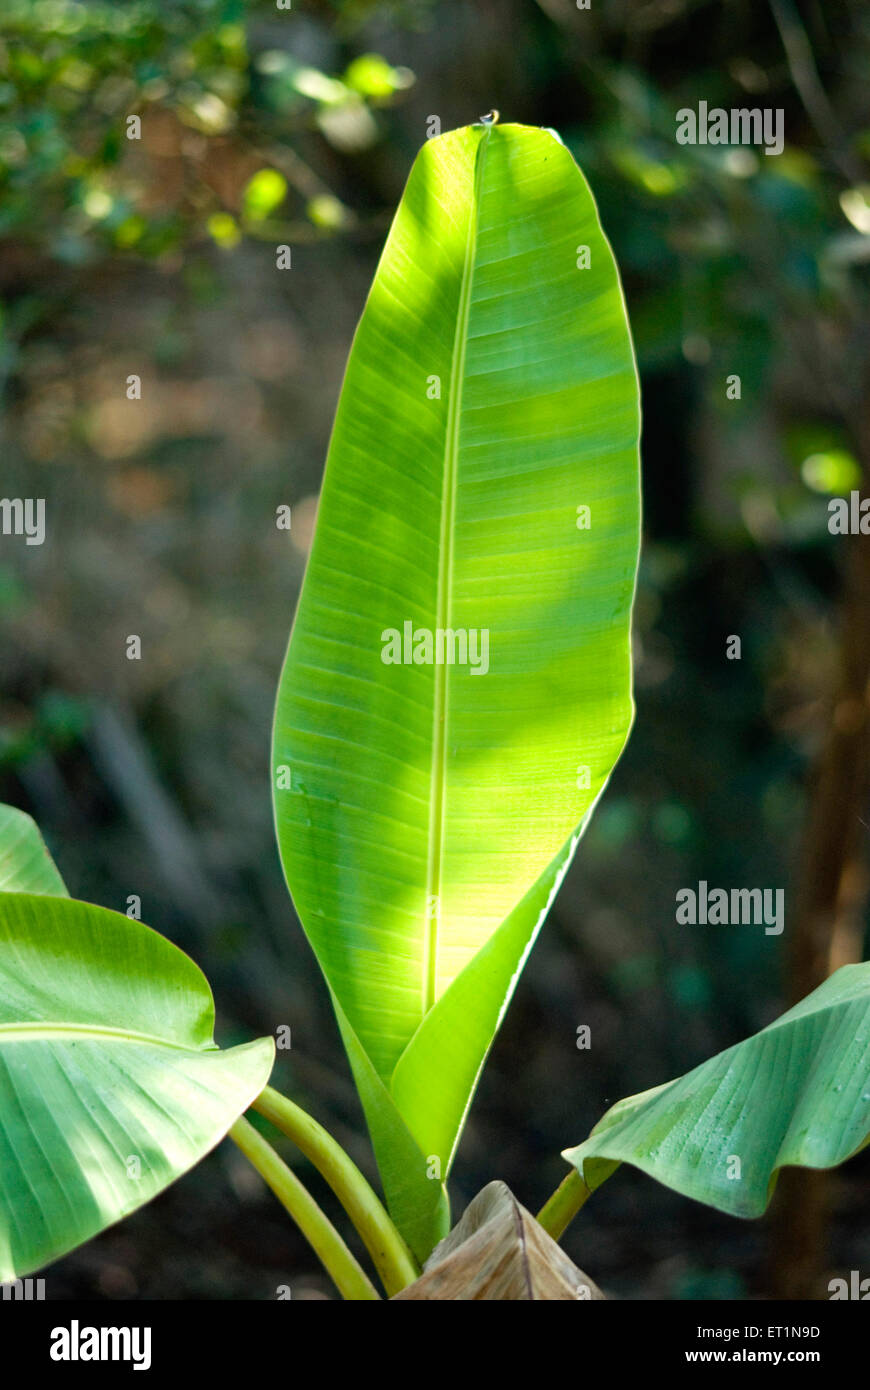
pixel 306 233
pixel 804 75
pixel 125 763
pixel 297 173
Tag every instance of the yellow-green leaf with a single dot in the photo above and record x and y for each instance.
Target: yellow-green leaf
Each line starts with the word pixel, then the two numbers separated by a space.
pixel 482 483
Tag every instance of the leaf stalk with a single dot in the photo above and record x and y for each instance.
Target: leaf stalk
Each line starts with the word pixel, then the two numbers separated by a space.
pixel 559 1211
pixel 342 1266
pixel 392 1258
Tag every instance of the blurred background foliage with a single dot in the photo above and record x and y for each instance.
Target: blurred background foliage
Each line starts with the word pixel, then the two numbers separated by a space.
pixel 261 126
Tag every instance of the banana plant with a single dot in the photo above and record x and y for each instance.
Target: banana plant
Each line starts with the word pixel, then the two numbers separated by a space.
pixel 456 692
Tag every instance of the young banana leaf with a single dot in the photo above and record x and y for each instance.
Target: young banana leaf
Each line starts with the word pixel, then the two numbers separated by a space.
pixel 457 687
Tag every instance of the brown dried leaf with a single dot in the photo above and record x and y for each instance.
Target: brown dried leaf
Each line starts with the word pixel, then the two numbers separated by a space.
pixel 498 1251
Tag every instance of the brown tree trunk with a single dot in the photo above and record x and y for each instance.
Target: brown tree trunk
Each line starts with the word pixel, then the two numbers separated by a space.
pixel 832 895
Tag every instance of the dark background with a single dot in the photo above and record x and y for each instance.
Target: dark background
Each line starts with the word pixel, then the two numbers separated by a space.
pixel 157 257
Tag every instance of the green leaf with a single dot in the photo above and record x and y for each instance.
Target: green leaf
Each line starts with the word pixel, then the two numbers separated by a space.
pixel 111 1085
pixel 263 194
pixel 373 77
pixel 426 812
pixel 796 1094
pixel 424 1209
pixel 25 864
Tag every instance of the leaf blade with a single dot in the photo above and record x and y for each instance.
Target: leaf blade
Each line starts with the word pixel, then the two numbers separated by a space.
pixel 106 1056
pixel 807 1074
pixel 416 1198
pixel 491 391
pixel 25 863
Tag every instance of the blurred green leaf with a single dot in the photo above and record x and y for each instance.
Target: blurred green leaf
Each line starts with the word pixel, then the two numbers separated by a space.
pixel 327 211
pixel 223 229
pixel 372 76
pixel 834 471
pixel 263 194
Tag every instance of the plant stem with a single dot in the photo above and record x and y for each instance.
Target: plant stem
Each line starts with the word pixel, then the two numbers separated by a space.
pixel 559 1211
pixel 349 1278
pixel 392 1258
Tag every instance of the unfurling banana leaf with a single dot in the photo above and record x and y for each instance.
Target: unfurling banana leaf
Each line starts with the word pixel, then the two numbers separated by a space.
pixel 457 686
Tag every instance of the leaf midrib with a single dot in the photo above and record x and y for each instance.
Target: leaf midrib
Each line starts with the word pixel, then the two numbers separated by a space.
pixel 445 576
pixel 49 1032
